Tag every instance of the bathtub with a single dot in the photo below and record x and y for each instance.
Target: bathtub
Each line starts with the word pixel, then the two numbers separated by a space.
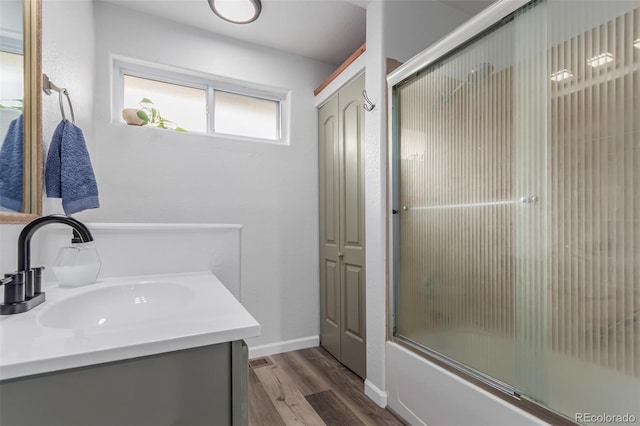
pixel 424 393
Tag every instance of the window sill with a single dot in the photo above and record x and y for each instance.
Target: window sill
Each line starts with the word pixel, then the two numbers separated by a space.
pixel 217 136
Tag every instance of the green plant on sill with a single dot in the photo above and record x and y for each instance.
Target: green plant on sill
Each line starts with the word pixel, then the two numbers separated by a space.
pixel 13 107
pixel 150 115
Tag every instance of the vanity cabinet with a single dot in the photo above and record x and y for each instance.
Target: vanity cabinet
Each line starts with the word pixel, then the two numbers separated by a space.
pixel 342 232
pixel 199 386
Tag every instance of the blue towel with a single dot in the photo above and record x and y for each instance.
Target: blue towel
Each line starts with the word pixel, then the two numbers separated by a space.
pixel 11 167
pixel 68 172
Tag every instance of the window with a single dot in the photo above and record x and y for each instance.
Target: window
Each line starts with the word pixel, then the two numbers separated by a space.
pixel 234 111
pixel 201 103
pixel 185 106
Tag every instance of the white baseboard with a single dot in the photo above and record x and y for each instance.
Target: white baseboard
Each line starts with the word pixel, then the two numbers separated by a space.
pixel 378 396
pixel 284 346
pixel 372 391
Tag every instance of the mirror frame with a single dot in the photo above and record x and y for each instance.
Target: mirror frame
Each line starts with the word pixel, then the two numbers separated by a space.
pixel 32 102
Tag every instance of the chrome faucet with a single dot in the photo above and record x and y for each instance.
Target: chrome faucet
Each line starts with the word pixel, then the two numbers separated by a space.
pixel 23 288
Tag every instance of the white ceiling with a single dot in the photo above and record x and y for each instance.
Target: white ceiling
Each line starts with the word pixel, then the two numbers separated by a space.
pixel 325 30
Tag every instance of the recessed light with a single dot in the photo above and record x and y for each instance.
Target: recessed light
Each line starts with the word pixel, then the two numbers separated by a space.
pixel 601 59
pixel 236 11
pixel 637 43
pixel 561 75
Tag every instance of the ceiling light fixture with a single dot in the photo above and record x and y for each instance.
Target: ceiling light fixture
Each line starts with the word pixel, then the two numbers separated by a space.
pixel 237 11
pixel 601 59
pixel 561 75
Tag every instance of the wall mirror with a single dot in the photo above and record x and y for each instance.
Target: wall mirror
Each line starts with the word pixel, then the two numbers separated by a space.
pixel 20 102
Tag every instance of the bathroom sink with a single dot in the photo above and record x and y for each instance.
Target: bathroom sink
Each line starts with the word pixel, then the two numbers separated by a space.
pixel 121 318
pixel 118 305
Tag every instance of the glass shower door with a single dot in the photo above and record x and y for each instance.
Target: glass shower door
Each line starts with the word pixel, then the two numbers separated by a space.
pixel 458 200
pixel 518 236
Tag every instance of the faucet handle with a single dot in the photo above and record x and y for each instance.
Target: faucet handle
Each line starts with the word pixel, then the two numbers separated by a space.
pixel 8 279
pixel 37 279
pixel 14 288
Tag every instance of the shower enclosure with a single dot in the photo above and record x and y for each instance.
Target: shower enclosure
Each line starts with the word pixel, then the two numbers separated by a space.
pixel 515 187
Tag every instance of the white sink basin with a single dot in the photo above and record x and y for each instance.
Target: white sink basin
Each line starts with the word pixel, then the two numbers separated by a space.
pixel 121 318
pixel 118 305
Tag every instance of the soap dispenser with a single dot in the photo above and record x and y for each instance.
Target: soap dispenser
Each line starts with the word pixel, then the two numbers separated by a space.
pixel 78 264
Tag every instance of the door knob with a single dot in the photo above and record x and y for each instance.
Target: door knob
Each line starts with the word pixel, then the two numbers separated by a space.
pixel 340 254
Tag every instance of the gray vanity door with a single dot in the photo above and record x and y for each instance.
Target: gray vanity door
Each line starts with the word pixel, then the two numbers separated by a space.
pixel 197 386
pixel 342 272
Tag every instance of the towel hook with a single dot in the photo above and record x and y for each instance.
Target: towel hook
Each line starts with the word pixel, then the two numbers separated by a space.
pixel 368 105
pixel 48 86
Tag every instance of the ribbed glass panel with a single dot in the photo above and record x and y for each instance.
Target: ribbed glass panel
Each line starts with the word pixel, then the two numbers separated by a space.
pixel 457 195
pixel 594 208
pixel 519 229
pixel 530 89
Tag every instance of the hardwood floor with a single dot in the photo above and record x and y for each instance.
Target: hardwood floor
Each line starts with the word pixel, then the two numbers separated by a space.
pixel 309 387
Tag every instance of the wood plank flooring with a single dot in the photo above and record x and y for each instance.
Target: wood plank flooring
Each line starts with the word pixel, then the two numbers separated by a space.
pixel 309 387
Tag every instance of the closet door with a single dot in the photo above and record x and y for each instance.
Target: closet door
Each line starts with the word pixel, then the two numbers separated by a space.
pixel 329 227
pixel 342 272
pixel 352 265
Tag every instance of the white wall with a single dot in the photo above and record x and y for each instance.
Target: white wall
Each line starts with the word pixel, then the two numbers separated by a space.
pixel 135 249
pixel 413 25
pixel 68 60
pixel 151 175
pixel 9 248
pixel 375 203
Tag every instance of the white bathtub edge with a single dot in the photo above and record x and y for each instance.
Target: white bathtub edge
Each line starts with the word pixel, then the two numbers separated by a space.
pixel 424 393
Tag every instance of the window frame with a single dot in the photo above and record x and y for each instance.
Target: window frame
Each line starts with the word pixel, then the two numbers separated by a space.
pixel 209 83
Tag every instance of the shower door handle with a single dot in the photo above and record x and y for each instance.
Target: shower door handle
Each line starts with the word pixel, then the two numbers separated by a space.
pixel 530 200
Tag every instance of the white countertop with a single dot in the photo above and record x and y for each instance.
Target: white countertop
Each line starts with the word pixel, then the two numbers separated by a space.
pixel 29 344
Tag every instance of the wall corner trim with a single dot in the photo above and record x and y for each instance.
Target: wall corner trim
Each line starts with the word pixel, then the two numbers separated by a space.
pixel 375 394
